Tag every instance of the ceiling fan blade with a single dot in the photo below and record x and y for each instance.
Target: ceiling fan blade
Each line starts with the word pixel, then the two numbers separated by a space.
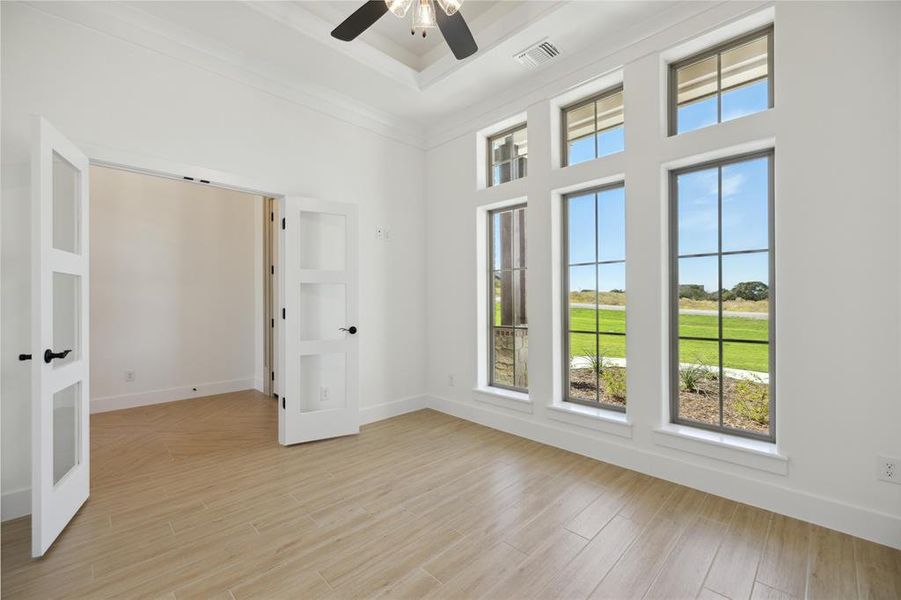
pixel 456 33
pixel 360 20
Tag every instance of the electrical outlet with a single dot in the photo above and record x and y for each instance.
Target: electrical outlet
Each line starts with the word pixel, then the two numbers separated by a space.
pixel 323 393
pixel 450 380
pixel 887 469
pixel 129 376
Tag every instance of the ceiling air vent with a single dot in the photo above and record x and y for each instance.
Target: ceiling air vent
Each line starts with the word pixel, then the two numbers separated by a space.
pixel 537 54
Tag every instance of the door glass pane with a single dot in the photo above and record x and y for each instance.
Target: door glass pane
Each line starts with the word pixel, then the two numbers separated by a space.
pixel 612 297
pixel 323 382
pixel 746 294
pixel 66 430
pixel 746 390
pixel 66 205
pixel 66 317
pixel 613 369
pixel 322 241
pixel 503 357
pixel 746 205
pixel 698 297
pixel 583 376
pixel 322 311
pixel 699 385
pixel 697 211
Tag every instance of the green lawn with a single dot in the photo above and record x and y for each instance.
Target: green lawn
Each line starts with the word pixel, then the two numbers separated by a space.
pixel 753 357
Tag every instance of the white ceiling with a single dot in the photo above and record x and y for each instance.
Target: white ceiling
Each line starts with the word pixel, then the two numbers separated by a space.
pixel 391 34
pixel 402 82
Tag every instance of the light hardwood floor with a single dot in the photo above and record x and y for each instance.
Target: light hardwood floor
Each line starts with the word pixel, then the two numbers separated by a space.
pixel 197 499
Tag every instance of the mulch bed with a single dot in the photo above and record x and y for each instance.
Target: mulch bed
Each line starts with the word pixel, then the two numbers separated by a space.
pixel 583 384
pixel 704 406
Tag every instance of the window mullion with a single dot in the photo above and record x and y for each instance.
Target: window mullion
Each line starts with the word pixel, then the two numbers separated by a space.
pixel 719 293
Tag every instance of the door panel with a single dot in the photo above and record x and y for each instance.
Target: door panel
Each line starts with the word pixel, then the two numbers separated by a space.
pixel 317 335
pixel 59 334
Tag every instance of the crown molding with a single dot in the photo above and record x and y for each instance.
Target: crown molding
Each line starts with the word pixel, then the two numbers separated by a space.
pixel 134 26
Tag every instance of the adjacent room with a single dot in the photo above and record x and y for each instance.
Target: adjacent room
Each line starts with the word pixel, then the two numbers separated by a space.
pixel 450 299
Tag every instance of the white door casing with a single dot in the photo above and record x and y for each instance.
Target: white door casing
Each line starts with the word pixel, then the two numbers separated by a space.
pixel 318 378
pixel 60 479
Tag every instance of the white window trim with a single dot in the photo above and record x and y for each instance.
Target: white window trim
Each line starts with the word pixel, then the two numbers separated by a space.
pixel 755 454
pixel 510 399
pixel 482 352
pixel 598 419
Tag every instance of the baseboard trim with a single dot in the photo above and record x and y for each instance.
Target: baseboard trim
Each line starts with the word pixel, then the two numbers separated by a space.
pixel 386 410
pixel 872 525
pixel 108 403
pixel 15 504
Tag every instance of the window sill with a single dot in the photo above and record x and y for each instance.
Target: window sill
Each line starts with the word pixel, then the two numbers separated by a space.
pixel 754 454
pixel 503 398
pixel 599 419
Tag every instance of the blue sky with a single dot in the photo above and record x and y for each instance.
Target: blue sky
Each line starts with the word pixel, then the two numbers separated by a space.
pixel 744 218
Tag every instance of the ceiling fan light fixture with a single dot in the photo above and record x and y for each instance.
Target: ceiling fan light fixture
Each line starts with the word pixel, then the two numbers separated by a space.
pixel 424 15
pixel 399 7
pixel 450 6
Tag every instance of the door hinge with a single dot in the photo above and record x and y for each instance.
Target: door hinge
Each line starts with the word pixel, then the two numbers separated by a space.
pixel 283 402
pixel 272 269
pixel 271 216
pixel 283 222
pixel 283 313
pixel 272 375
pixel 272 324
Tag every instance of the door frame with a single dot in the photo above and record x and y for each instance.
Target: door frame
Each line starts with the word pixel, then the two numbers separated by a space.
pixel 102 156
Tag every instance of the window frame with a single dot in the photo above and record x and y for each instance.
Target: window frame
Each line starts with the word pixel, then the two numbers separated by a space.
pixel 673 67
pixel 673 216
pixel 490 164
pixel 490 298
pixel 564 142
pixel 564 292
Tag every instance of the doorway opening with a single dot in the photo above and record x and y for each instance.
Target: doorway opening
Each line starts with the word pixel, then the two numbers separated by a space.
pixel 181 287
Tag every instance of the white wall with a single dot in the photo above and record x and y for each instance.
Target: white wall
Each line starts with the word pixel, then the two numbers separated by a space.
pixel 108 93
pixel 836 132
pixel 174 284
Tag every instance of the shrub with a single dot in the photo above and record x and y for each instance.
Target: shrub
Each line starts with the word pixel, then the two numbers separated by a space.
pixel 691 376
pixel 597 363
pixel 752 400
pixel 615 383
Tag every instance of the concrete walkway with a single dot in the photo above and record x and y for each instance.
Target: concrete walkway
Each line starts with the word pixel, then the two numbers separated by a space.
pixel 686 311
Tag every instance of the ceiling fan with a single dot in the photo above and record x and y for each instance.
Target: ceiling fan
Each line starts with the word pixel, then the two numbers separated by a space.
pixel 425 16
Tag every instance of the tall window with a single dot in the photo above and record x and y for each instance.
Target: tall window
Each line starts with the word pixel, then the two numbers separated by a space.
pixel 508 336
pixel 594 127
pixel 723 83
pixel 722 296
pixel 508 155
pixel 594 252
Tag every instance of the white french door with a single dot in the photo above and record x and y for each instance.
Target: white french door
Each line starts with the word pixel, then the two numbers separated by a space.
pixel 59 334
pixel 317 338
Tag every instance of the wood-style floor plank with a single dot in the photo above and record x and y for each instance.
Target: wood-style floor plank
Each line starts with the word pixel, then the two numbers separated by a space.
pixel 196 499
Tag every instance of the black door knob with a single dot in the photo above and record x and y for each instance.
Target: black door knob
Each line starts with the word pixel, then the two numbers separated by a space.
pixel 49 355
pixel 351 330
